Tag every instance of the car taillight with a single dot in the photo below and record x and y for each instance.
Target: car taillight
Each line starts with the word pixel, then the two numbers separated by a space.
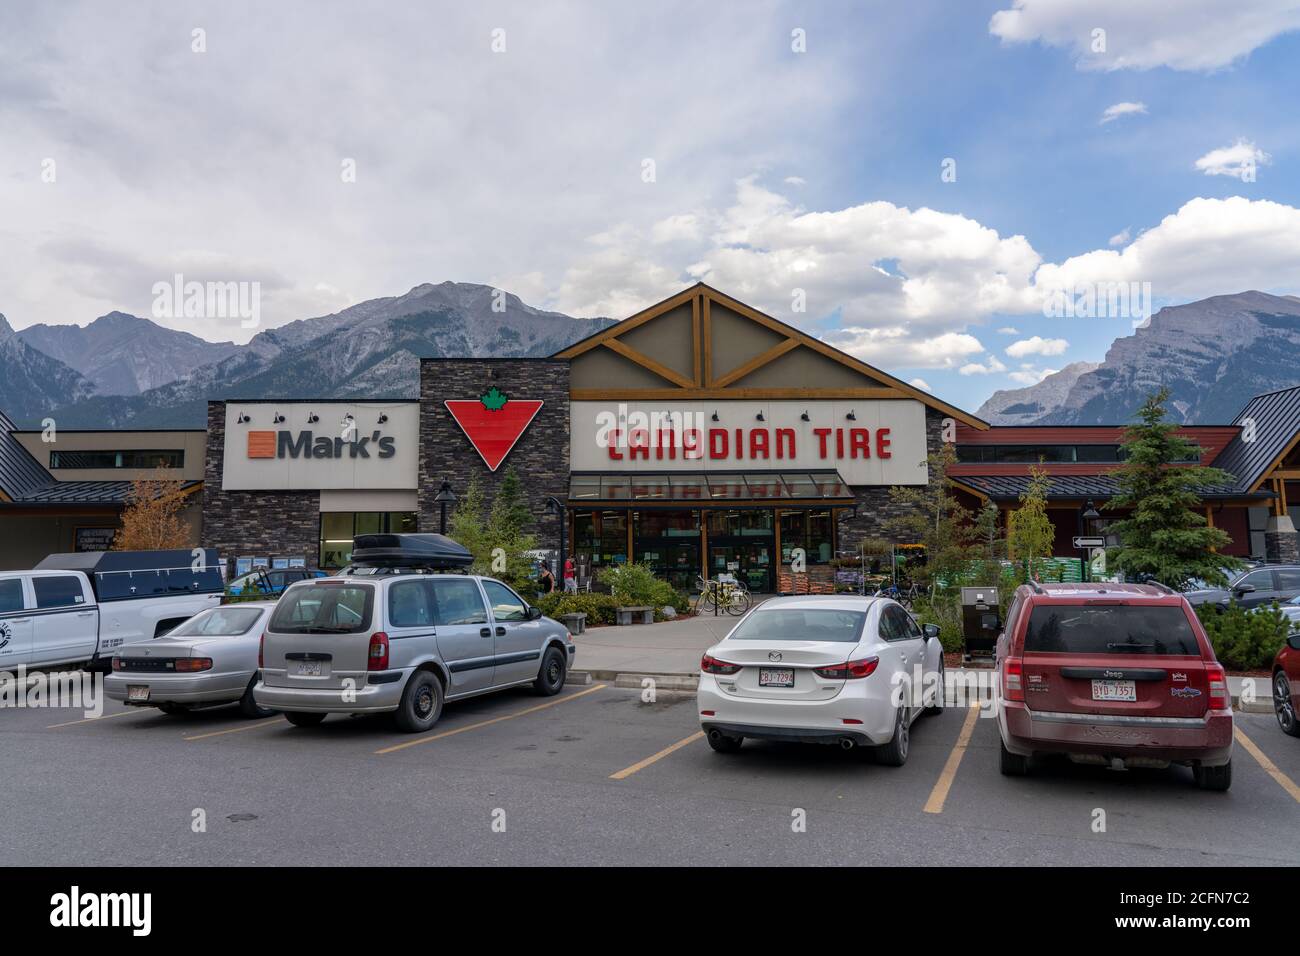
pixel 1219 697
pixel 117 663
pixel 377 659
pixel 1012 688
pixel 849 670
pixel 261 650
pixel 711 665
pixel 188 665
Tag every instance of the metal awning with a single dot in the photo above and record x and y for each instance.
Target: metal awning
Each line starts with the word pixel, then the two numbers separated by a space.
pixel 718 488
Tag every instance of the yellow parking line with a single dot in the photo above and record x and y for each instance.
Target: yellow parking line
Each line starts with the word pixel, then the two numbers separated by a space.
pixel 655 758
pixel 91 720
pixel 1270 768
pixel 494 720
pixel 236 730
pixel 941 787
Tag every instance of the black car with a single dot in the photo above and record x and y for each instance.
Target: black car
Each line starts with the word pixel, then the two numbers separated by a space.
pixel 1253 587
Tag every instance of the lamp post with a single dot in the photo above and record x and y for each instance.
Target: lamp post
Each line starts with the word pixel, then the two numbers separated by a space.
pixel 1088 518
pixel 555 506
pixel 444 497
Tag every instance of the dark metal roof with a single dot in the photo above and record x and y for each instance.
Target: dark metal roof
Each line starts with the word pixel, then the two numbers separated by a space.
pixel 1277 419
pixel 20 473
pixel 1011 487
pixel 82 493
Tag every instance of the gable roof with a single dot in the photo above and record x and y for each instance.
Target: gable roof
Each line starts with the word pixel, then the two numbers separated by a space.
pixel 700 297
pixel 1276 418
pixel 20 473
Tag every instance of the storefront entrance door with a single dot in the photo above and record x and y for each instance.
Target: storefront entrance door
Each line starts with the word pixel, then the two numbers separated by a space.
pixel 743 543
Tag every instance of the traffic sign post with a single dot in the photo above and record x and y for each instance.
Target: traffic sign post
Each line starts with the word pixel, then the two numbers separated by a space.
pixel 1094 553
pixel 1089 541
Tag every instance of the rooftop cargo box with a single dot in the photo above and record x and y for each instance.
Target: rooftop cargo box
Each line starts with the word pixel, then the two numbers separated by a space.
pixel 433 551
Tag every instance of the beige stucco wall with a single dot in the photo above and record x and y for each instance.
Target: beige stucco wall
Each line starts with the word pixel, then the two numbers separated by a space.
pixel 191 442
pixel 28 537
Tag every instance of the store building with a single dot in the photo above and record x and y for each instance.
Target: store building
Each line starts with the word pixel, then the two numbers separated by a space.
pixel 698 436
pixel 64 491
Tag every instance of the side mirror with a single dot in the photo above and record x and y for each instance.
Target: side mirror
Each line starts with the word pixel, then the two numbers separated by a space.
pixel 931 630
pixel 534 613
pixel 1294 641
pixel 1243 589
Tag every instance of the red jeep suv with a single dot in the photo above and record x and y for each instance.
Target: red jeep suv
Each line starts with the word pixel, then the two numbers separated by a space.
pixel 1112 674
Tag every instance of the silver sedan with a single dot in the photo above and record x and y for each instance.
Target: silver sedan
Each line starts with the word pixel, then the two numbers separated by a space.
pixel 210 659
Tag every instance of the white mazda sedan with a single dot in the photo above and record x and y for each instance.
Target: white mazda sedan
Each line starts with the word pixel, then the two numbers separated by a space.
pixel 844 670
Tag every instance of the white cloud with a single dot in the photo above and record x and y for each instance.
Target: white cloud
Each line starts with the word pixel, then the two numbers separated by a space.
pixel 921 384
pixel 1028 375
pixel 675 229
pixel 890 346
pixel 992 367
pixel 1119 238
pixel 1142 34
pixel 1116 110
pixel 1236 160
pixel 796 181
pixel 1037 345
pixel 1008 330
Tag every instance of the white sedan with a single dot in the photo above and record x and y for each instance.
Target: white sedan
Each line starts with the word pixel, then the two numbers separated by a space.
pixel 844 670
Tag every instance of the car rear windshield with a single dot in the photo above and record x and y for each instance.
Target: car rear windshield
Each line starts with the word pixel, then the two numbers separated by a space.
pixel 1110 629
pixel 324 609
pixel 798 624
pixel 219 622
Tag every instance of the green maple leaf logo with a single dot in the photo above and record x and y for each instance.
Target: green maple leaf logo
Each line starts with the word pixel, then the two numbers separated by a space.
pixel 494 399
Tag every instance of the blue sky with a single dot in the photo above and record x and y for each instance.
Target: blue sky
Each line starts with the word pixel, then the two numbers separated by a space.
pixel 509 144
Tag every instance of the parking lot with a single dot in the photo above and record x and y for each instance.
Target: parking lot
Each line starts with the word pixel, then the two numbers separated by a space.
pixel 597 776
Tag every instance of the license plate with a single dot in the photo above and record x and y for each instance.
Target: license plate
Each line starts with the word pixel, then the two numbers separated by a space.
pixel 775 677
pixel 1114 690
pixel 308 669
pixel 137 692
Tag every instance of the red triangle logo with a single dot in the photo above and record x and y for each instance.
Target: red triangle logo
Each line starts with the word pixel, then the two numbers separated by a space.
pixel 493 423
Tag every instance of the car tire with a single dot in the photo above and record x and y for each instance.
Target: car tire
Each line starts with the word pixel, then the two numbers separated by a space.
pixel 894 753
pixel 301 718
pixel 421 703
pixel 1012 765
pixel 173 710
pixel 1283 707
pixel 940 694
pixel 1213 778
pixel 550 677
pixel 723 743
pixel 250 707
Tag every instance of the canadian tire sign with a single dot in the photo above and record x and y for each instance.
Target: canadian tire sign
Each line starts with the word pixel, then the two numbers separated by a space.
pixel 493 423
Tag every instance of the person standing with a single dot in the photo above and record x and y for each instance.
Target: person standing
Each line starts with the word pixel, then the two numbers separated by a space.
pixel 547 578
pixel 570 576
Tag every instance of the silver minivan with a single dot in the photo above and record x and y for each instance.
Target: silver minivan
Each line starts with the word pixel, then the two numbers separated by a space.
pixel 404 644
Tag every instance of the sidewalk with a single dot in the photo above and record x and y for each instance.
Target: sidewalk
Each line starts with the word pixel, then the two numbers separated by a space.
pixel 673 649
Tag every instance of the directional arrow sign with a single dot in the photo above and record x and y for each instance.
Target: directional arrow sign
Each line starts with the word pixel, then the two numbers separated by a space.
pixel 1093 542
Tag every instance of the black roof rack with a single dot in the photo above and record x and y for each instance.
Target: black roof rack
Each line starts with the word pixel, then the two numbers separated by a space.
pixel 433 551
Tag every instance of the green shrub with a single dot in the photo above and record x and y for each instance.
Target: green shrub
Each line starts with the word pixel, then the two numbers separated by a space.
pixel 1244 640
pixel 248 594
pixel 599 608
pixel 635 585
pixel 944 610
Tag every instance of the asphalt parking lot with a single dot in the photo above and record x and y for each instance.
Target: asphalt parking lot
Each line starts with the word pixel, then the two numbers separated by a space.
pixel 597 776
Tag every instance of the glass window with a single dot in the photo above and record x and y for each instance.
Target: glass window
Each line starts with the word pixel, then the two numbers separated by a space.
pixel 788 624
pixel 794 533
pixel 802 486
pixel 338 530
pixel 458 601
pixel 1259 580
pixel 60 591
pixel 615 489
pixel 1287 579
pixel 689 487
pixel 893 626
pixel 584 486
pixel 650 487
pixel 727 486
pixel 821 536
pixel 506 604
pixel 129 458
pixel 766 486
pixel 324 609
pixel 830 486
pixel 227 621
pixel 410 604
pixel 11 595
pixel 1110 629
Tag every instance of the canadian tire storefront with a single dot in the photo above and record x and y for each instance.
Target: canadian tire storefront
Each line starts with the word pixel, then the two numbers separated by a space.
pixel 698 436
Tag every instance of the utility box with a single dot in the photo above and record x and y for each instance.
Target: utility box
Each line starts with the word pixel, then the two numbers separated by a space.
pixel 981 623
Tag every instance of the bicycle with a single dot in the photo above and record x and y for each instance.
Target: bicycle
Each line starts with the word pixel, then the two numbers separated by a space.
pixel 729 596
pixel 906 597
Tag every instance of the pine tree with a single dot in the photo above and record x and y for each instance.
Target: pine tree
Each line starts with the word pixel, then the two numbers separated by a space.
pixel 1165 536
pixel 1030 533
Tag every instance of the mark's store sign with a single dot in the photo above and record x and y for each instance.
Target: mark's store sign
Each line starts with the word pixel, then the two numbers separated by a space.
pixel 868 442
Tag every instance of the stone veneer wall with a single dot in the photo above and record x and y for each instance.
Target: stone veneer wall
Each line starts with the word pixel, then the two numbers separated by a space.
pixel 874 506
pixel 261 523
pixel 541 456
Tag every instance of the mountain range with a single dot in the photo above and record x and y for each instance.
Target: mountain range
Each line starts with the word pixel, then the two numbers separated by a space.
pixel 125 371
pixel 1214 355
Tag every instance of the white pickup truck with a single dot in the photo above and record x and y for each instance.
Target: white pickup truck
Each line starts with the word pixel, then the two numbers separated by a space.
pixel 76 609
